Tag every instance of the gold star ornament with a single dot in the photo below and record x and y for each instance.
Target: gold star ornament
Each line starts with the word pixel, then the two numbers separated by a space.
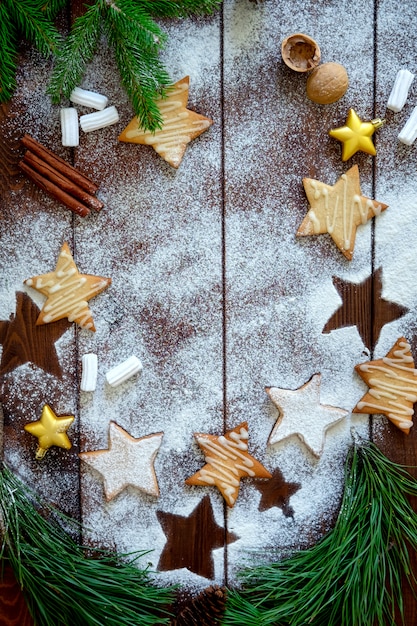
pixel 356 135
pixel 67 291
pixel 179 126
pixel 50 430
pixel 338 210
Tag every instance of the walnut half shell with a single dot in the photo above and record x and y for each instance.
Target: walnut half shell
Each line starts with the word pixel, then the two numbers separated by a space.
pixel 300 52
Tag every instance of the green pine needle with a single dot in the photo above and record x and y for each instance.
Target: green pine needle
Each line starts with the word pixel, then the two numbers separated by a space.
pixel 8 52
pixel 62 586
pixel 351 577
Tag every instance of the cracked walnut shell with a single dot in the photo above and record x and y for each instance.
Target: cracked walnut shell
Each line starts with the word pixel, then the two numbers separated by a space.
pixel 300 52
pixel 327 83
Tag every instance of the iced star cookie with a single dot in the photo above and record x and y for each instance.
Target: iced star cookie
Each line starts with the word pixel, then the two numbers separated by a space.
pixel 180 126
pixel 338 210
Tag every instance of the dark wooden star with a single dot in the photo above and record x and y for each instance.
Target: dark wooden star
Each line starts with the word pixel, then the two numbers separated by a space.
pixel 190 540
pixel 25 342
pixel 276 492
pixel 363 306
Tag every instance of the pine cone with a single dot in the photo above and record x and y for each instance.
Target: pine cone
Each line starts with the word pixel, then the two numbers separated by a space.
pixel 206 609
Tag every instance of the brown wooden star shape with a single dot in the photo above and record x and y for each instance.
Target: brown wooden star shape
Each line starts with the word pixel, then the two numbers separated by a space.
pixel 190 540
pixel 338 210
pixel 25 342
pixel 358 301
pixel 276 492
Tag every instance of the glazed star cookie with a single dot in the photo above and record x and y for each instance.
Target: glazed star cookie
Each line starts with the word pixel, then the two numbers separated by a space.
pixel 227 461
pixel 67 292
pixel 392 383
pixel 127 461
pixel 338 210
pixel 301 414
pixel 180 126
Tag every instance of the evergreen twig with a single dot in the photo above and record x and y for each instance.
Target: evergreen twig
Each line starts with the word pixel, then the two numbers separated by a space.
pixel 62 586
pixel 353 575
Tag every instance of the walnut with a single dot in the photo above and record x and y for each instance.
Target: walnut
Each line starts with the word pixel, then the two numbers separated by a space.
pixel 327 83
pixel 300 52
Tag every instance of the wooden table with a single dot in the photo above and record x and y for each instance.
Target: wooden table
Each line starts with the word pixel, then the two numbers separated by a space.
pixel 210 286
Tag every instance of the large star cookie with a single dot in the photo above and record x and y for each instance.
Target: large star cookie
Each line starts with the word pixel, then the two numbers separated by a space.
pixel 301 414
pixel 127 461
pixel 67 292
pixel 50 430
pixel 227 461
pixel 338 210
pixel 392 383
pixel 179 126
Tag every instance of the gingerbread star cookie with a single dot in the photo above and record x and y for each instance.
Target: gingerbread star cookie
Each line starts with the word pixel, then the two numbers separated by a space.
pixel 67 292
pixel 338 210
pixel 127 461
pixel 180 126
pixel 392 383
pixel 301 414
pixel 227 461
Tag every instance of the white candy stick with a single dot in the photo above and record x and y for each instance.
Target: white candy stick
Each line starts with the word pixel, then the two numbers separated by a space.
pixel 399 91
pixel 122 372
pixel 69 127
pixel 409 133
pixel 99 119
pixel 89 372
pixel 89 98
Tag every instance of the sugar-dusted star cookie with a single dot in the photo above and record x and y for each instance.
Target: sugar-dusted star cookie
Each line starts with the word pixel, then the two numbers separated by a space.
pixel 50 430
pixel 180 126
pixel 392 383
pixel 338 210
pixel 67 292
pixel 356 135
pixel 227 461
pixel 301 414
pixel 127 461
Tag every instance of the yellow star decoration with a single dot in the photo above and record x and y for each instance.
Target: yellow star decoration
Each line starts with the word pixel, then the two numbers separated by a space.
pixel 356 135
pixel 338 210
pixel 227 461
pixel 50 430
pixel 68 292
pixel 180 126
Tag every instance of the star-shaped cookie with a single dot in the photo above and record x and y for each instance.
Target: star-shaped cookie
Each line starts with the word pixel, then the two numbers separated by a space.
pixel 358 299
pixel 356 135
pixel 67 292
pixel 338 210
pixel 227 461
pixel 191 540
pixel 392 383
pixel 23 341
pixel 180 126
pixel 127 461
pixel 301 414
pixel 50 430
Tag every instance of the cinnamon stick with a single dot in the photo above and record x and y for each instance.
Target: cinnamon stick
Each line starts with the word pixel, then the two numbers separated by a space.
pixel 56 192
pixel 46 170
pixel 59 164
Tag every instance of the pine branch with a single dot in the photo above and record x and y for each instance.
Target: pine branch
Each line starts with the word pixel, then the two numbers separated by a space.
pixel 8 55
pixel 353 576
pixel 32 22
pixel 51 8
pixel 62 586
pixel 180 8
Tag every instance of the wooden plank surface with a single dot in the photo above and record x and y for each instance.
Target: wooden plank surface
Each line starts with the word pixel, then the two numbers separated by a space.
pixel 210 287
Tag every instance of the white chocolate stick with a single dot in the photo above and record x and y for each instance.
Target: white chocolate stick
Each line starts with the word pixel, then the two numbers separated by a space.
pixel 88 98
pixel 409 132
pixel 89 372
pixel 122 372
pixel 400 90
pixel 69 127
pixel 99 119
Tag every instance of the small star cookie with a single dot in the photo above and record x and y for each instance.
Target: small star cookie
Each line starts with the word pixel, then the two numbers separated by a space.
pixel 180 126
pixel 392 383
pixel 338 210
pixel 301 414
pixel 67 292
pixel 227 461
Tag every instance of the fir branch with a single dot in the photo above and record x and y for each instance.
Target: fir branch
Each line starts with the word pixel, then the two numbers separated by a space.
pixel 351 577
pixel 62 586
pixel 51 8
pixel 8 53
pixel 180 8
pixel 34 25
